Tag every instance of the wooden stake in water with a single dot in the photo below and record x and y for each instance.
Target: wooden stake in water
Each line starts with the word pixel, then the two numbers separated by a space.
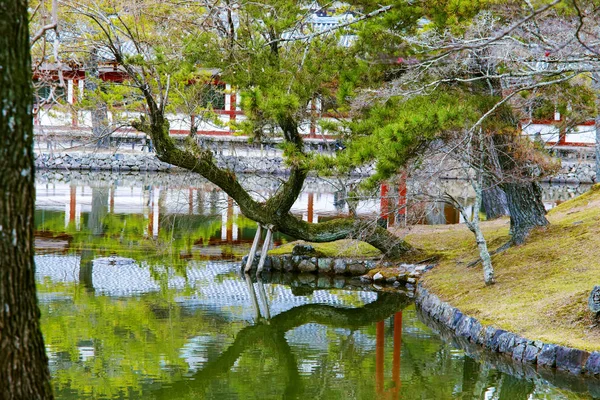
pixel 265 249
pixel 253 249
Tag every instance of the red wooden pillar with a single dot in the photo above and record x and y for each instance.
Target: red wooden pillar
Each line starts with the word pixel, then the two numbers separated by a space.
pixel 75 86
pixel 402 194
pixel 191 201
pixel 232 106
pixel 384 205
pixel 402 199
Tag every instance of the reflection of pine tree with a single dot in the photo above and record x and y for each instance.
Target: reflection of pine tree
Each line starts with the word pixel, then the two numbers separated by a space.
pixel 86 268
pixel 99 210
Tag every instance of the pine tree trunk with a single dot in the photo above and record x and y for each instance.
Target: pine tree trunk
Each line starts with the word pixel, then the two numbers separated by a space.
pixel 494 203
pixel 526 209
pixel 24 370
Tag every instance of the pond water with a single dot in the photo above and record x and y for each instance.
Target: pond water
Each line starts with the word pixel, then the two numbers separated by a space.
pixel 141 297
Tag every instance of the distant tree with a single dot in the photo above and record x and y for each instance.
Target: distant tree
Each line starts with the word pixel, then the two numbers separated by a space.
pixel 24 370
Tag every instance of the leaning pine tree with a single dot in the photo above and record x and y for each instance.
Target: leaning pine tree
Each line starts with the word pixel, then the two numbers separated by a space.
pixel 278 75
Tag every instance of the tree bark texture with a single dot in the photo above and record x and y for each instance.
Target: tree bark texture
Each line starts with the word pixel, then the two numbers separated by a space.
pixel 24 370
pixel 526 209
pixel 494 202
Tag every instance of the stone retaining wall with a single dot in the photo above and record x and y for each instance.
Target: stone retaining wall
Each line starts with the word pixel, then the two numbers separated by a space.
pixel 306 263
pixel 504 363
pixel 518 348
pixel 149 162
pixel 575 172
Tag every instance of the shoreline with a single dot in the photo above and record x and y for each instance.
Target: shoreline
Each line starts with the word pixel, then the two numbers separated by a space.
pixel 519 349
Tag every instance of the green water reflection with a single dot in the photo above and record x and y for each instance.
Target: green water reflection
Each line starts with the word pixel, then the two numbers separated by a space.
pixel 135 310
pixel 187 343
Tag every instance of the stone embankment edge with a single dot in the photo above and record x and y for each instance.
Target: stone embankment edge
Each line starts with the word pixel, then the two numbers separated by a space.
pixel 125 162
pixel 312 264
pixel 520 349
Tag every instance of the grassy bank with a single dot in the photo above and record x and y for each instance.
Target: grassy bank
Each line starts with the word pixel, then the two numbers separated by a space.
pixel 339 248
pixel 542 286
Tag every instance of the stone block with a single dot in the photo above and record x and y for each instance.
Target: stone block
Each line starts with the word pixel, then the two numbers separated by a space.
pixel 276 263
pixel 378 277
pixel 475 330
pixel 592 365
pixel 531 353
pixel 357 268
pixel 324 265
pixel 518 351
pixel 306 266
pixel 506 342
pixel 572 360
pixel 547 356
pixel 286 263
pixel 458 316
pixel 296 260
pixel 339 266
pixel 494 341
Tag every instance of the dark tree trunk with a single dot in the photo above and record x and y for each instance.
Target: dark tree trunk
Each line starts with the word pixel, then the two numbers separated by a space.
pixel 494 203
pixel 24 370
pixel 526 209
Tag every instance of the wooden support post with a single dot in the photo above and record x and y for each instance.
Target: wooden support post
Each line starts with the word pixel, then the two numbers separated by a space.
pixel 253 249
pixel 263 298
pixel 253 297
pixel 265 250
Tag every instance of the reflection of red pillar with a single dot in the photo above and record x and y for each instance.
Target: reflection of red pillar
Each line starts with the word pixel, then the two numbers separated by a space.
pixel 310 208
pixel 379 365
pixel 385 207
pixel 151 220
pixel 229 220
pixel 72 204
pixel 397 350
pixel 111 206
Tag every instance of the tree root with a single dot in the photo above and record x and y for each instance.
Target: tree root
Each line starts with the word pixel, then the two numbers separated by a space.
pixel 499 250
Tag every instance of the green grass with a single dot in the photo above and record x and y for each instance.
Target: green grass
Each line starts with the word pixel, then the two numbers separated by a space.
pixel 541 286
pixel 339 248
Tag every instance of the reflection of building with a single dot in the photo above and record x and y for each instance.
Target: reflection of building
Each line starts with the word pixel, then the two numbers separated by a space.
pixel 161 203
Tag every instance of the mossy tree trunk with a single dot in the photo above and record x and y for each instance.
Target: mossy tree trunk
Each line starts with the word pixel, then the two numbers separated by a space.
pixel 526 209
pixel 276 210
pixel 24 370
